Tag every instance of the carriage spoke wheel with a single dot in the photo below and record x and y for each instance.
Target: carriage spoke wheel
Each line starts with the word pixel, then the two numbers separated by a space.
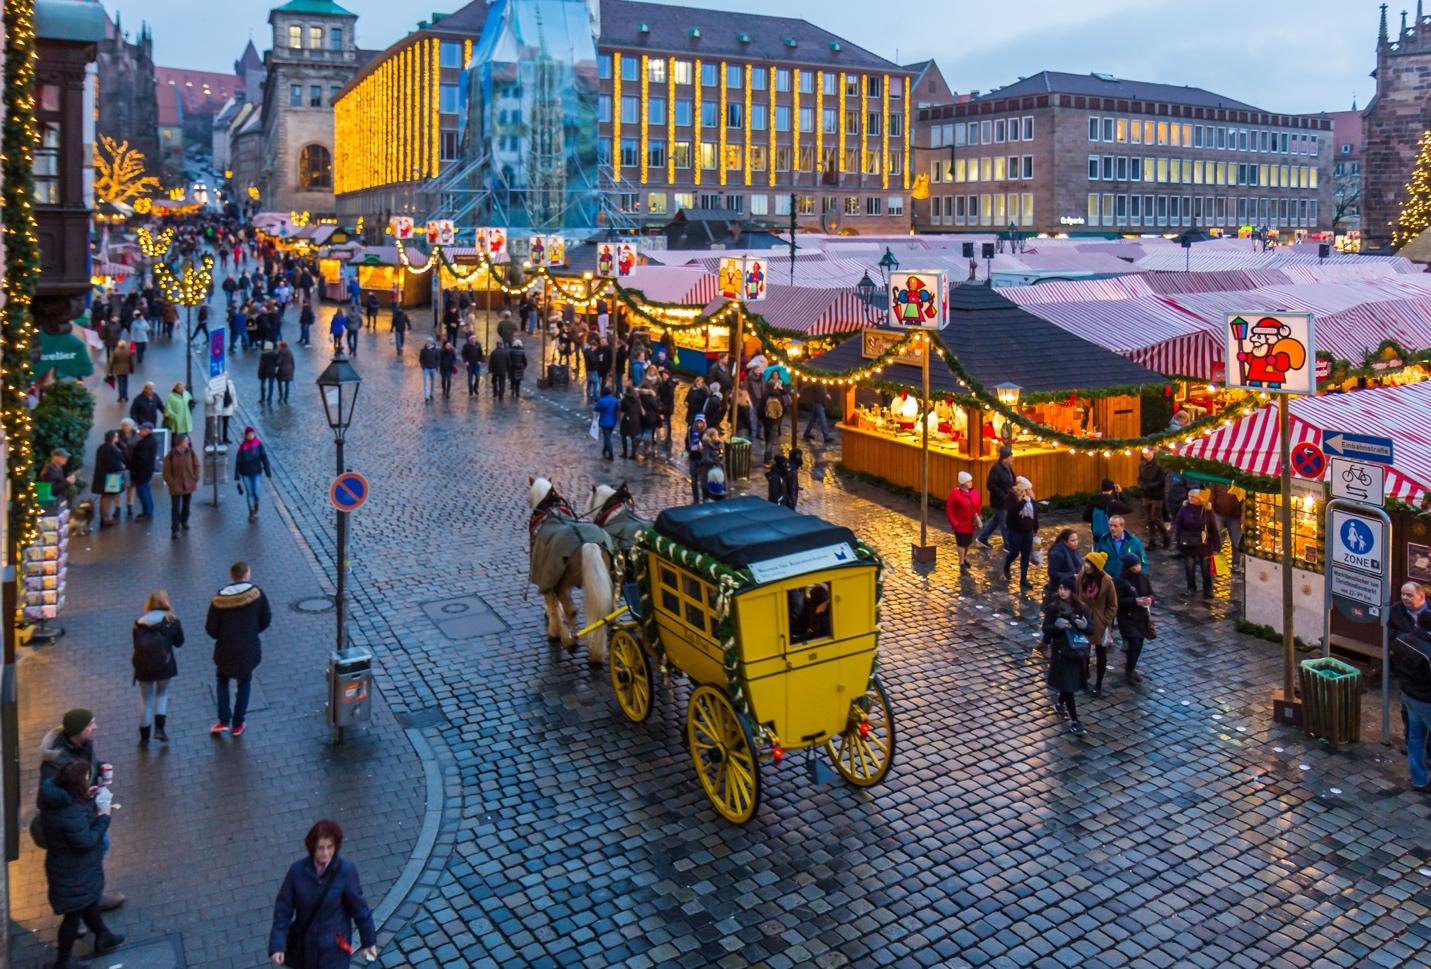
pixel 630 676
pixel 723 754
pixel 864 751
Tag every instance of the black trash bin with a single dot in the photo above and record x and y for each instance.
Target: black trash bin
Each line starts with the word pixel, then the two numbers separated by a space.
pixel 1331 700
pixel 737 459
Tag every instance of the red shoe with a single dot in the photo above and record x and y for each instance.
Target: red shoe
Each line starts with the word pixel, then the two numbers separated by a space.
pixel 219 727
pixel 238 731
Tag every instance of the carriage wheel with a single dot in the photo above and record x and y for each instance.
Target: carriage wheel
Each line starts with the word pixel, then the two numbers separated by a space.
pixel 864 752
pixel 630 676
pixel 723 754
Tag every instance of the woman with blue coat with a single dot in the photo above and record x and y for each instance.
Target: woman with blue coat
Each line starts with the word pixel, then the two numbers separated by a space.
pixel 317 906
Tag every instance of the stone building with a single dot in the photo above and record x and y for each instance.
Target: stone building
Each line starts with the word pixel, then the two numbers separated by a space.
pixel 1346 173
pixel 314 54
pixel 1393 122
pixel 1092 153
pixel 128 108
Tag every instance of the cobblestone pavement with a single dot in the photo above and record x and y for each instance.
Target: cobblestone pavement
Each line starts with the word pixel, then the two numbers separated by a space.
pixel 1184 829
pixel 207 826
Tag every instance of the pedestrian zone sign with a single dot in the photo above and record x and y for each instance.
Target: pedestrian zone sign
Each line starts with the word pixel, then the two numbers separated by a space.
pixel 1357 542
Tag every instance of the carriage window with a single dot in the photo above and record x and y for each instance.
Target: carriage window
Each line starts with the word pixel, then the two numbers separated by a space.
pixel 809 612
pixel 692 587
pixel 670 601
pixel 668 577
pixel 695 616
pixel 711 596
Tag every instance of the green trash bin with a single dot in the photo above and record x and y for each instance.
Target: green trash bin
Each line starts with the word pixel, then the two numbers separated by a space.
pixel 1331 700
pixel 737 459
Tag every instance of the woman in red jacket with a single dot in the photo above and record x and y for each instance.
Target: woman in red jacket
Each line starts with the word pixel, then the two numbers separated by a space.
pixel 962 509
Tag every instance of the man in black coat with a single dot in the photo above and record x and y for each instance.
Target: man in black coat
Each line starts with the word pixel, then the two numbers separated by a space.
pixel 998 486
pixel 237 615
pixel 1411 664
pixel 499 364
pixel 516 367
pixel 147 406
pixel 1153 483
pixel 143 459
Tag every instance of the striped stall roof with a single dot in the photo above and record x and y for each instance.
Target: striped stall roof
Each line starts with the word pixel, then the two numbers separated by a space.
pixel 668 284
pixel 810 311
pixel 1401 413
pixel 1150 330
pixel 1077 290
pixel 1359 329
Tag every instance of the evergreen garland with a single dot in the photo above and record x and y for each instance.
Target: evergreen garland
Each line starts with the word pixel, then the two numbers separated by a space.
pixel 22 265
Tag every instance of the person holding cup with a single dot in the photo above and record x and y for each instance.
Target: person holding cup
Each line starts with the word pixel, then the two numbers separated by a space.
pixel 74 818
pixel 73 740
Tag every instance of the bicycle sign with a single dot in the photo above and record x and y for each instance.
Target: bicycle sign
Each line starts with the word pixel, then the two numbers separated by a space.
pixel 1360 481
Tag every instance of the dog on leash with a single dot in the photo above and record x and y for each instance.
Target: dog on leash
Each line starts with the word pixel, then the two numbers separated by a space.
pixel 82 517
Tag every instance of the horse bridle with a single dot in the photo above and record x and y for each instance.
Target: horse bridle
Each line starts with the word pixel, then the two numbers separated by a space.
pixel 620 498
pixel 552 503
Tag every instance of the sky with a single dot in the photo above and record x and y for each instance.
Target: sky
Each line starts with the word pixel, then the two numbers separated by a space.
pixel 1292 56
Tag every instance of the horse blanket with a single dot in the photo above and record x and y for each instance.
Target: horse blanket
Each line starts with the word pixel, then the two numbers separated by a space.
pixel 554 542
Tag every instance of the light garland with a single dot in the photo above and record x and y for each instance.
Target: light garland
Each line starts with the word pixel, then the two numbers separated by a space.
pixel 151 246
pixel 720 124
pixel 884 133
pixel 770 127
pixel 645 112
pixel 22 248
pixel 842 126
pixel 908 157
pixel 189 289
pixel 1415 213
pixel 696 125
pixel 747 149
pixel 616 115
pixel 794 127
pixel 670 123
pixel 434 117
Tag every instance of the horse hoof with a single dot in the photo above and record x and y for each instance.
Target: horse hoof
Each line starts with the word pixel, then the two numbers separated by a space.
pixel 595 664
pixel 553 640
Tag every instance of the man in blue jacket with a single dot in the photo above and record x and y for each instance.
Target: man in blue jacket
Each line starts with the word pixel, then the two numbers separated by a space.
pixel 606 408
pixel 1118 542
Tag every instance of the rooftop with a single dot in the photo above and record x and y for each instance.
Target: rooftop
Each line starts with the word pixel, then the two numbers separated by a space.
pixel 743 530
pixel 724 33
pixel 203 92
pixel 1108 86
pixel 327 7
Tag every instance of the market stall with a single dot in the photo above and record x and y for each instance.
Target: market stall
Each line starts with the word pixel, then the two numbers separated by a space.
pixel 1050 377
pixel 1248 453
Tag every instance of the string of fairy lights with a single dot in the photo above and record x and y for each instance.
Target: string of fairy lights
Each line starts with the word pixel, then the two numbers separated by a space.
pixel 191 287
pixel 17 333
pixel 778 344
pixel 153 246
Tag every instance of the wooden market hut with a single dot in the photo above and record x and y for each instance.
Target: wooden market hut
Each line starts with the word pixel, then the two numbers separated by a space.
pixel 998 342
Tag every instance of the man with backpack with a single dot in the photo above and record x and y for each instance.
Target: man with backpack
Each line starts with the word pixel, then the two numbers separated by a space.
pixel 1102 506
pixel 772 412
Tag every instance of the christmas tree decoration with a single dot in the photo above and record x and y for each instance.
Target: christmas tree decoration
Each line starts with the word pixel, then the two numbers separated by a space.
pixel 119 172
pixel 1416 212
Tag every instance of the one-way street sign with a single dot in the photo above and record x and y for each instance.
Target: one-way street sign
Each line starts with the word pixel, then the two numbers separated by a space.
pixel 1362 447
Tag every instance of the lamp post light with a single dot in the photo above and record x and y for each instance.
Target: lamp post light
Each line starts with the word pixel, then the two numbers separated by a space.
pixel 868 292
pixel 188 289
pixel 1008 394
pixel 338 384
pixel 887 264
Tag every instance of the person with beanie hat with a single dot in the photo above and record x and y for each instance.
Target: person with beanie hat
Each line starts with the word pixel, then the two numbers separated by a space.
pixel 1100 598
pixel 73 740
pixel 998 486
pixel 962 508
pixel 1135 617
pixel 1021 512
pixel 1102 506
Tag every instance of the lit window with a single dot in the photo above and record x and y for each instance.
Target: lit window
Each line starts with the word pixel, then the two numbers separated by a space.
pixel 656 70
pixel 656 203
pixel 315 38
pixel 315 167
pixel 682 71
pixel 295 36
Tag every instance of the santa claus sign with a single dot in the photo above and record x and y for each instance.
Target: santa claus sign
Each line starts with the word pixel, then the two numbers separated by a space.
pixel 1271 352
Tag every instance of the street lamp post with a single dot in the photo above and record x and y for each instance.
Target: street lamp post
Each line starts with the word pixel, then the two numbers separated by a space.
pixel 338 384
pixel 188 289
pixel 1008 395
pixel 887 264
pixel 868 292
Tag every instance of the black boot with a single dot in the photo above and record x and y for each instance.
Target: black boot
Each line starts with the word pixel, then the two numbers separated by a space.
pixel 159 720
pixel 144 736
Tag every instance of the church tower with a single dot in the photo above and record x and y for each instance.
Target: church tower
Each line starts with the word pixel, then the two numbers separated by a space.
pixel 1393 122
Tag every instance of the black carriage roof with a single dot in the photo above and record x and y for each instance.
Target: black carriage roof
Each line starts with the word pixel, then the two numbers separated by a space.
pixel 745 530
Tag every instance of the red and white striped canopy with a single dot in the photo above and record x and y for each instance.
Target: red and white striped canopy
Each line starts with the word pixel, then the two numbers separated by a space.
pixel 1400 413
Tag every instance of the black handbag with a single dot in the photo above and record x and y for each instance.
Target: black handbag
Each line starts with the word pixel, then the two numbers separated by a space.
pixel 293 955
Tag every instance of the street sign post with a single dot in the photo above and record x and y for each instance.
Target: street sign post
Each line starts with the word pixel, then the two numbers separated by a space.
pixel 1362 447
pixel 1358 481
pixel 1358 580
pixel 1308 460
pixel 348 491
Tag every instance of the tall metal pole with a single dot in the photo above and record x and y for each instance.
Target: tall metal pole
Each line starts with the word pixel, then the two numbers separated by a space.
pixel 738 338
pixel 189 347
pixel 339 597
pixel 924 454
pixel 1289 648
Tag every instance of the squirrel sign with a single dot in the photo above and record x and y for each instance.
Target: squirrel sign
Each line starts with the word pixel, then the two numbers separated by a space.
pixel 1270 354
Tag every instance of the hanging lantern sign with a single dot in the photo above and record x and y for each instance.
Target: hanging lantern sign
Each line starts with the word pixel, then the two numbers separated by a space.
pixel 917 299
pixel 401 226
pixel 441 232
pixel 492 241
pixel 742 278
pixel 615 260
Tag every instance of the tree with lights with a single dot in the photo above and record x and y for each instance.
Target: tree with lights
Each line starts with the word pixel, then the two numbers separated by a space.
pixel 1416 211
pixel 119 172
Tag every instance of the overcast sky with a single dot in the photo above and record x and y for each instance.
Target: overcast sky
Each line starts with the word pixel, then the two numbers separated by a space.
pixel 1286 56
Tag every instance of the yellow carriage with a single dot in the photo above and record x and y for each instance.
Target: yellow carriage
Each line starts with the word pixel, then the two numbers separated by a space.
pixel 773 616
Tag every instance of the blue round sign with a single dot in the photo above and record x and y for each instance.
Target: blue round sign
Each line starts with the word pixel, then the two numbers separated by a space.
pixel 1357 537
pixel 348 491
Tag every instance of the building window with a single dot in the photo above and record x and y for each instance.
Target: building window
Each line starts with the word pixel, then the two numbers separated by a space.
pixel 682 71
pixel 896 125
pixel 656 111
pixel 709 157
pixel 733 154
pixel 894 205
pixel 47 164
pixel 852 205
pixel 1135 169
pixel 999 132
pixel 805 205
pixel 760 204
pixel 986 132
pixel 1120 129
pixel 782 86
pixel 1095 129
pixel 295 95
pixel 874 205
pixel 449 146
pixel 1028 166
pixel 630 202
pixel 1000 172
pixel 735 203
pixel 603 107
pixel 335 38
pixel 333 91
pixel 656 70
pixel 896 163
pixel 656 154
pixel 734 73
pixel 630 153
pixel 683 110
pixel 830 87
pixel 656 203
pixel 315 38
pixel 683 200
pixel 874 85
pixel 447 98
pixel 1028 132
pixel 630 109
pixel 782 204
pixel 807 120
pixel 603 67
pixel 681 154
pixel 874 124
pixel 734 115
pixel 1121 173
pixel 630 69
pixel 807 86
pixel 757 117
pixel 757 158
pixel 783 158
pixel 710 116
pixel 709 78
pixel 828 121
pixel 450 54
pixel 315 95
pixel 315 167
pixel 295 36
pixel 603 151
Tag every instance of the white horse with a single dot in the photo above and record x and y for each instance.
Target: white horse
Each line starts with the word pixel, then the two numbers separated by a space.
pixel 569 554
pixel 614 510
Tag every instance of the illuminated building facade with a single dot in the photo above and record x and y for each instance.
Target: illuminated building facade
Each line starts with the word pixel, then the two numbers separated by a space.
pixel 664 108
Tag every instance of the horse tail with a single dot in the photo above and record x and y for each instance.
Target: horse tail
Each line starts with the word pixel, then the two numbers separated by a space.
pixel 598 594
